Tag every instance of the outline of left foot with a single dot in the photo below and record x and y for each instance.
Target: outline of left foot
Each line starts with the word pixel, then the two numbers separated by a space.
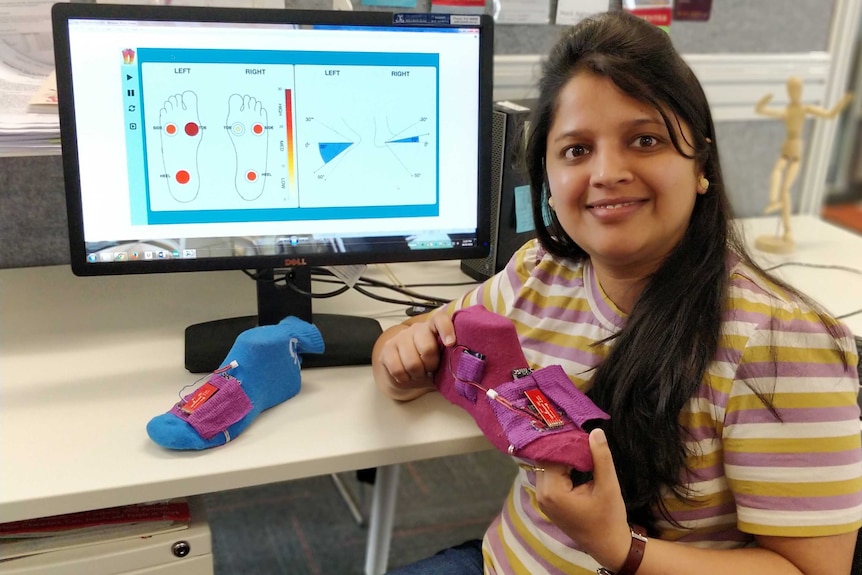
pixel 181 136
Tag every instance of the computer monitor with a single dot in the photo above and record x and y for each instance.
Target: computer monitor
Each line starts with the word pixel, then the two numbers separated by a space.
pixel 202 139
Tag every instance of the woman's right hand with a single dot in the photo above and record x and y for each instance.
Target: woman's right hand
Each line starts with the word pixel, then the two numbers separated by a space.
pixel 406 356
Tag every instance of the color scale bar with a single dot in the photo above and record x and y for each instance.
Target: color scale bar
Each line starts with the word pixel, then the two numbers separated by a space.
pixel 288 114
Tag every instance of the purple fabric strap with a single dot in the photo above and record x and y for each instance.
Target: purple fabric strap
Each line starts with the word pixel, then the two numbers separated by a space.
pixel 559 388
pixel 224 408
pixel 552 381
pixel 517 425
pixel 470 369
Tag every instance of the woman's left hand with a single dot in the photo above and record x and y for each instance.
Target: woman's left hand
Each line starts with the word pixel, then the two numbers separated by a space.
pixel 592 514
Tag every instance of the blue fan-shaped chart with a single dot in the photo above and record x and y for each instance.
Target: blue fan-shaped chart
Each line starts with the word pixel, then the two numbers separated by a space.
pixel 411 139
pixel 331 150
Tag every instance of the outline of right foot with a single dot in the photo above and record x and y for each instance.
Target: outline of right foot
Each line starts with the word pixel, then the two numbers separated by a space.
pixel 245 113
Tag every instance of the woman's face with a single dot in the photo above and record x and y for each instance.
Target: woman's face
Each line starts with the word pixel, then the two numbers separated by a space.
pixel 620 189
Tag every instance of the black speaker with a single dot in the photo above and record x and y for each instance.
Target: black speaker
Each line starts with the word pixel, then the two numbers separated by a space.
pixel 509 189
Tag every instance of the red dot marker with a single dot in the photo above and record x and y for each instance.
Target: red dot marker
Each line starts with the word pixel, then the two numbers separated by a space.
pixel 251 176
pixel 171 129
pixel 183 177
pixel 192 129
pixel 257 129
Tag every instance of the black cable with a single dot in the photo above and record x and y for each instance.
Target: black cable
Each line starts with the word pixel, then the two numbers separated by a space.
pixel 384 299
pixel 361 285
pixel 818 266
pixel 328 272
pixel 324 275
pixel 846 315
pixel 364 281
pixel 453 284
pixel 253 276
pixel 822 267
pixel 325 295
pixel 273 280
pixel 367 282
pixel 286 278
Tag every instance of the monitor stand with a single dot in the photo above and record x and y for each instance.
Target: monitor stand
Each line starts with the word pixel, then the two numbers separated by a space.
pixel 348 339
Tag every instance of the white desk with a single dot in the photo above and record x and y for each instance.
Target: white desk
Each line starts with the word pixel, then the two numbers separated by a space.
pixel 86 362
pixel 820 243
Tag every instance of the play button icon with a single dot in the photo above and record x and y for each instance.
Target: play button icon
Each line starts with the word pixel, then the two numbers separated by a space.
pixel 128 77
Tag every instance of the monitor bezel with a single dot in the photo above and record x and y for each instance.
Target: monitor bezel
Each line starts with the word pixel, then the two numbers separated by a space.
pixel 62 13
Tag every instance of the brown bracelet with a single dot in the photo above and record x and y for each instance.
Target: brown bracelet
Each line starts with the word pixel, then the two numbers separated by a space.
pixel 635 556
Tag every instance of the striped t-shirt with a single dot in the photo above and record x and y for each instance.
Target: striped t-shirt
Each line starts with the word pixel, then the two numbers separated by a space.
pixel 801 477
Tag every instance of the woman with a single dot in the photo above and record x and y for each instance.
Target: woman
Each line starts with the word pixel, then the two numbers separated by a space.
pixel 734 435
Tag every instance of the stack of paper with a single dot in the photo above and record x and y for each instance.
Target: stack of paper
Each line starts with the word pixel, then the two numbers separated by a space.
pixel 22 130
pixel 26 60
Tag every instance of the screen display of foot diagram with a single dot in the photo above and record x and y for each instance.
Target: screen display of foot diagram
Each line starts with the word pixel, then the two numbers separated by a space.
pixel 238 135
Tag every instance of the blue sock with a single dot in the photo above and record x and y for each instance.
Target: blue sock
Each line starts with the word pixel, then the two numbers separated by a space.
pixel 267 372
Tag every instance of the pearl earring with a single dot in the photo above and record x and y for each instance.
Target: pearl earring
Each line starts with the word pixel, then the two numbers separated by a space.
pixel 551 202
pixel 703 184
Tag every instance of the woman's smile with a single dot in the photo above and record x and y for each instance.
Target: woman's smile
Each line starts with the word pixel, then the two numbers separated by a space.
pixel 614 210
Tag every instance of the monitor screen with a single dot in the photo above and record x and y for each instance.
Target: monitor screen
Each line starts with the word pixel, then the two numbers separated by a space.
pixel 201 139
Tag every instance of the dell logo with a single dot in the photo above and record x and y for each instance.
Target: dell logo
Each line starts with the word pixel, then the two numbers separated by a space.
pixel 290 262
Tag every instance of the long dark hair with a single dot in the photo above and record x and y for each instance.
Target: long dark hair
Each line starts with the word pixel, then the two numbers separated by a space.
pixel 659 359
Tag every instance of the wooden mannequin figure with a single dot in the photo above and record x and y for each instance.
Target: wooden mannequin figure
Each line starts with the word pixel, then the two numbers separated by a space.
pixel 787 166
